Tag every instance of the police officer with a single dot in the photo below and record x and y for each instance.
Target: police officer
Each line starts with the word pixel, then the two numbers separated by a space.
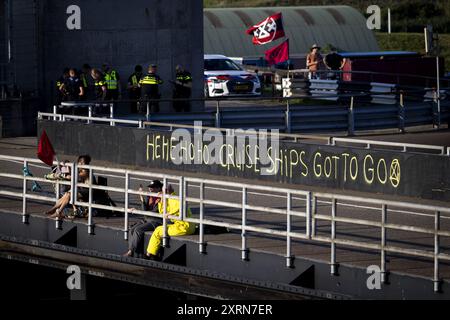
pixel 100 86
pixel 85 81
pixel 150 87
pixel 73 86
pixel 134 91
pixel 182 89
pixel 112 80
pixel 60 92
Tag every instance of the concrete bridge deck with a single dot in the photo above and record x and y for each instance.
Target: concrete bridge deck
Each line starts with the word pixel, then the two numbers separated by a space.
pixel 26 147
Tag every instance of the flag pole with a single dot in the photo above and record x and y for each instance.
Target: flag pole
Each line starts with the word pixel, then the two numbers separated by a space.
pixel 58 167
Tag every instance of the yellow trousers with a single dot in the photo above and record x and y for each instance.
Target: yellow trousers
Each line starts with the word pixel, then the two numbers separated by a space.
pixel 179 228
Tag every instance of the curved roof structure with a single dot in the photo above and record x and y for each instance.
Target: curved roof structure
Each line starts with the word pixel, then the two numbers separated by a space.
pixel 341 26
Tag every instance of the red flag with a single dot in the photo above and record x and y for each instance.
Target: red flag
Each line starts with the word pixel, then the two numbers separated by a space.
pixel 45 150
pixel 267 30
pixel 278 54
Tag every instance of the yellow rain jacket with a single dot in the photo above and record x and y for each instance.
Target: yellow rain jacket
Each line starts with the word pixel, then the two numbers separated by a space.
pixel 177 228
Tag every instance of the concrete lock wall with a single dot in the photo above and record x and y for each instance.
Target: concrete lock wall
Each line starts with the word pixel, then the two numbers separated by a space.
pixel 18 117
pixel 49 35
pixel 3 42
pixel 343 168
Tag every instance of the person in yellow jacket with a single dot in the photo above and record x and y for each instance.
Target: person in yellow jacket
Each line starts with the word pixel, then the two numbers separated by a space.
pixel 175 229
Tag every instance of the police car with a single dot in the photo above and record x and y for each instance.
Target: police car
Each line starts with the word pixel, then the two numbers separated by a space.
pixel 223 77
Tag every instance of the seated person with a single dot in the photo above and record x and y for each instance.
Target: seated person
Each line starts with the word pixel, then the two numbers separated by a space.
pixel 82 195
pixel 136 240
pixel 175 229
pixel 61 172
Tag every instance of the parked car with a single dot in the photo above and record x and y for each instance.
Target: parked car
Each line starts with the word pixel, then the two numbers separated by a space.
pixel 223 77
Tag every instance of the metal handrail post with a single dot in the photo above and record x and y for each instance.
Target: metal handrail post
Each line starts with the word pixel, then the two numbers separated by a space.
pixel 73 183
pixel 165 242
pixel 436 279
pixel 308 214
pixel 244 249
pixel 351 118
pixel 127 203
pixel 55 111
pixel 288 117
pixel 90 223
pixel 111 112
pixel 25 216
pixel 438 94
pixel 289 257
pixel 313 218
pixel 333 263
pixel 89 113
pixel 401 114
pixel 383 243
pixel 201 241
pixel 181 198
pixel 217 120
pixel 436 111
pixel 57 191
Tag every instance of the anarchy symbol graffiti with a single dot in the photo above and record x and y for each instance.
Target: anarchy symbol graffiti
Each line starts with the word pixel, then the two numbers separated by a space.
pixel 395 173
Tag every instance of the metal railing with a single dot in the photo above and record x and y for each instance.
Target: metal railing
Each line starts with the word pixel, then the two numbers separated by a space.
pixel 308 212
pixel 351 118
pixel 304 138
pixel 372 76
pixel 404 147
pixel 91 106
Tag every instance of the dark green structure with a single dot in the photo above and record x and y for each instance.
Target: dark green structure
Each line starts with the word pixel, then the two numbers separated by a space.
pixel 341 26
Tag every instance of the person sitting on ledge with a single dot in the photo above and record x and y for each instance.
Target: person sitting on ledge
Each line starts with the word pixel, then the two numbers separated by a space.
pixel 82 195
pixel 175 229
pixel 136 241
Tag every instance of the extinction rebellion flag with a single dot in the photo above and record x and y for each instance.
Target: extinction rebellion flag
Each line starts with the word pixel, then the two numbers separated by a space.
pixel 267 30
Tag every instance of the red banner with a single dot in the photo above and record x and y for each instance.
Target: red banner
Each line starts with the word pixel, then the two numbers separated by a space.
pixel 278 54
pixel 45 153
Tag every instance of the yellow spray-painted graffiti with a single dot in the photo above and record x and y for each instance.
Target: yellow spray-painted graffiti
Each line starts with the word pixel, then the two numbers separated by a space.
pixel 293 163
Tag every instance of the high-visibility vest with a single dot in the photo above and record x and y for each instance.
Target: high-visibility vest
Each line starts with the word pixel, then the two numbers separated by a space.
pixel 150 79
pixel 184 77
pixel 100 83
pixel 84 80
pixel 134 79
pixel 111 80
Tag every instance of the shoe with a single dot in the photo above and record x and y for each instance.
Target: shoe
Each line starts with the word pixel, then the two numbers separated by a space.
pixel 128 254
pixel 152 257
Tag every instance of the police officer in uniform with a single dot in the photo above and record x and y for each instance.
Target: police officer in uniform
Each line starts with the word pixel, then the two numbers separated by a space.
pixel 112 80
pixel 85 80
pixel 134 91
pixel 73 86
pixel 182 89
pixel 150 87
pixel 60 92
pixel 100 88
